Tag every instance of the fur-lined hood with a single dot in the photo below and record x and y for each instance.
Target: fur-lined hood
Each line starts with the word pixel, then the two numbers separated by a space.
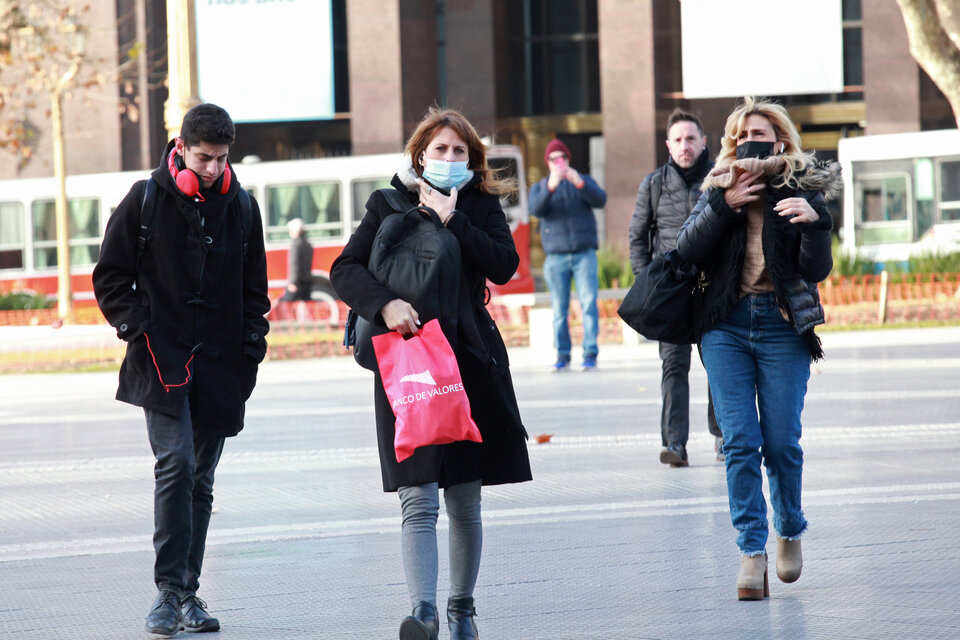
pixel 822 176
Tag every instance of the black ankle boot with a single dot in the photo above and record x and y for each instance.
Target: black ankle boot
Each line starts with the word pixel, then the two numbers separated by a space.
pixel 422 625
pixel 460 613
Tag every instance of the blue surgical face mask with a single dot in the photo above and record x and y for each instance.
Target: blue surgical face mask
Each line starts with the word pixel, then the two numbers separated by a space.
pixel 444 175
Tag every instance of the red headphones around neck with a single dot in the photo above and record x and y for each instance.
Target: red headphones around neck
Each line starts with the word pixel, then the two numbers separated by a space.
pixel 189 182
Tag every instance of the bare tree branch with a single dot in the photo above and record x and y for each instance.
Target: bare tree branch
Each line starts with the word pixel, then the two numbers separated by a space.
pixel 932 47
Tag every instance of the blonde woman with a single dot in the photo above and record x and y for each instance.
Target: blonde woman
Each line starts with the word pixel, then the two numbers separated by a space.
pixel 762 229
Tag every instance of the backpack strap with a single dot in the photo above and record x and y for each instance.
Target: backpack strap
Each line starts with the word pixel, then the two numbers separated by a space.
pixel 397 201
pixel 147 206
pixel 246 217
pixel 656 187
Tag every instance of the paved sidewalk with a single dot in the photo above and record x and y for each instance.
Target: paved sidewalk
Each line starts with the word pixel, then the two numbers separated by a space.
pixel 604 543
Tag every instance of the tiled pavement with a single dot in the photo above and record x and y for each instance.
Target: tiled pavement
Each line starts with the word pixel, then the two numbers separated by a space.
pixel 605 543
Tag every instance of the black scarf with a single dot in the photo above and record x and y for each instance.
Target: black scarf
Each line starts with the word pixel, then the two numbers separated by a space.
pixel 695 172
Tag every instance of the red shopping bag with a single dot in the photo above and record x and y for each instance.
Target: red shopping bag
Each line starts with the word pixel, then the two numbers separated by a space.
pixel 422 380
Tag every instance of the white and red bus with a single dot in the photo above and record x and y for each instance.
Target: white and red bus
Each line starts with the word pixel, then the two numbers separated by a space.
pixel 328 194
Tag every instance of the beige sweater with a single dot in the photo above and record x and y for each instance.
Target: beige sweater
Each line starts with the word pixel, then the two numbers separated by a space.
pixel 755 278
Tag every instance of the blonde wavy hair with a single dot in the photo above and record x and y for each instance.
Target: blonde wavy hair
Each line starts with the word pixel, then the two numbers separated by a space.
pixel 435 120
pixel 795 159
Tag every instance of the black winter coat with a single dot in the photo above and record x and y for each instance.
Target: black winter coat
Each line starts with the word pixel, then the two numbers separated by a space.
pixel 487 251
pixel 654 232
pixel 197 295
pixel 797 256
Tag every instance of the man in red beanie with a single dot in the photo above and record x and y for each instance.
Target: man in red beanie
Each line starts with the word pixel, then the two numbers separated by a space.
pixel 564 203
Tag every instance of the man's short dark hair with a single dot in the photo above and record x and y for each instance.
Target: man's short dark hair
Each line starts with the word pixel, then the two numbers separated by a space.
pixel 207 123
pixel 679 115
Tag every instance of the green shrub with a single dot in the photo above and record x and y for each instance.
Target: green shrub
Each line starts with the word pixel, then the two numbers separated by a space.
pixel 934 262
pixel 846 264
pixel 18 300
pixel 613 269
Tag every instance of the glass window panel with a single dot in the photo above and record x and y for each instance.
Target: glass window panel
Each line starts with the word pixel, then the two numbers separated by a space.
pixel 883 199
pixel 44 221
pixel 361 190
pixel 11 235
pixel 84 222
pixel 84 218
pixel 950 181
pixel 852 10
pixel 853 56
pixel 885 234
pixel 45 257
pixel 317 204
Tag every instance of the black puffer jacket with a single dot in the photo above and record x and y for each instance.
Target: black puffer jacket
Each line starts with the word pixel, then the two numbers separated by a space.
pixel 653 232
pixel 197 296
pixel 797 256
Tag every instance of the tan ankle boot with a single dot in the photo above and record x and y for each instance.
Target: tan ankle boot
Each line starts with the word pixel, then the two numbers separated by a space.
pixel 752 583
pixel 789 560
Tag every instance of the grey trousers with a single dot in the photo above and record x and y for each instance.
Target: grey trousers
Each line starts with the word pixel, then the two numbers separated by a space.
pixel 420 506
pixel 675 391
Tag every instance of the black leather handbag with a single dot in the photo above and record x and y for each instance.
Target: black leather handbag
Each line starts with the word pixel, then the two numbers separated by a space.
pixel 665 301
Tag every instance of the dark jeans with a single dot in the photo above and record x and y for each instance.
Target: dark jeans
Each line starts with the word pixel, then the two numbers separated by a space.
pixel 183 498
pixel 675 390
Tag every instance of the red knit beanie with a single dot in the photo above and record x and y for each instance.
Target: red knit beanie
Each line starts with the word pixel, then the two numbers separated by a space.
pixel 555 145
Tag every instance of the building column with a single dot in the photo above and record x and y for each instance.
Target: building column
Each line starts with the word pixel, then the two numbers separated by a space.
pixel 891 76
pixel 182 80
pixel 393 70
pixel 628 101
pixel 469 66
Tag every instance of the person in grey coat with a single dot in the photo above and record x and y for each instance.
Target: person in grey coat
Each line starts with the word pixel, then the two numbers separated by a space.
pixel 665 199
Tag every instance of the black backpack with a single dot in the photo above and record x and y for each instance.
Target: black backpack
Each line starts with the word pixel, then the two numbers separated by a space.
pixel 418 259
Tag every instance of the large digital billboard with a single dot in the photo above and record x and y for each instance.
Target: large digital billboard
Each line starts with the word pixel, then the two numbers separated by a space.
pixel 761 47
pixel 266 60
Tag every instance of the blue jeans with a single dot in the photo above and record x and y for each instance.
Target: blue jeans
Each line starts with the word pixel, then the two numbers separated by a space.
pixel 559 269
pixel 183 498
pixel 755 360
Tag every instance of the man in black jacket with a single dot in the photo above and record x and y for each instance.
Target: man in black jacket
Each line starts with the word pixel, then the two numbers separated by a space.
pixel 299 264
pixel 664 201
pixel 182 277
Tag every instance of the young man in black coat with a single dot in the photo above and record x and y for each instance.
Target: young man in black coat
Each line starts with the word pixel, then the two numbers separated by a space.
pixel 188 294
pixel 664 201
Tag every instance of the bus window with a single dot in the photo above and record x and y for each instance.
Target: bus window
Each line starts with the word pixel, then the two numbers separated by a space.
pixel 882 213
pixel 317 204
pixel 84 220
pixel 11 235
pixel 949 181
pixel 361 190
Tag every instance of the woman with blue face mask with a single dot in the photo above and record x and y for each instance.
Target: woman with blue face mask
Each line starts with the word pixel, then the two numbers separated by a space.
pixel 445 169
pixel 761 230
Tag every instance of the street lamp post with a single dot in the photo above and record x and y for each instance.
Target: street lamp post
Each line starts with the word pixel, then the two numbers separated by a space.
pixel 64 286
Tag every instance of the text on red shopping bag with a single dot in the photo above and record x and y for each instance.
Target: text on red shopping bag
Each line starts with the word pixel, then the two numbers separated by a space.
pixel 422 381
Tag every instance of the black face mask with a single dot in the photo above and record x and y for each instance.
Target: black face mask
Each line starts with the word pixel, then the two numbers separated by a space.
pixel 754 149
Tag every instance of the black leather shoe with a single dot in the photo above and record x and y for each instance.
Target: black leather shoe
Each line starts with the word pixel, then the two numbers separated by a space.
pixel 460 613
pixel 164 617
pixel 674 455
pixel 195 616
pixel 422 625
